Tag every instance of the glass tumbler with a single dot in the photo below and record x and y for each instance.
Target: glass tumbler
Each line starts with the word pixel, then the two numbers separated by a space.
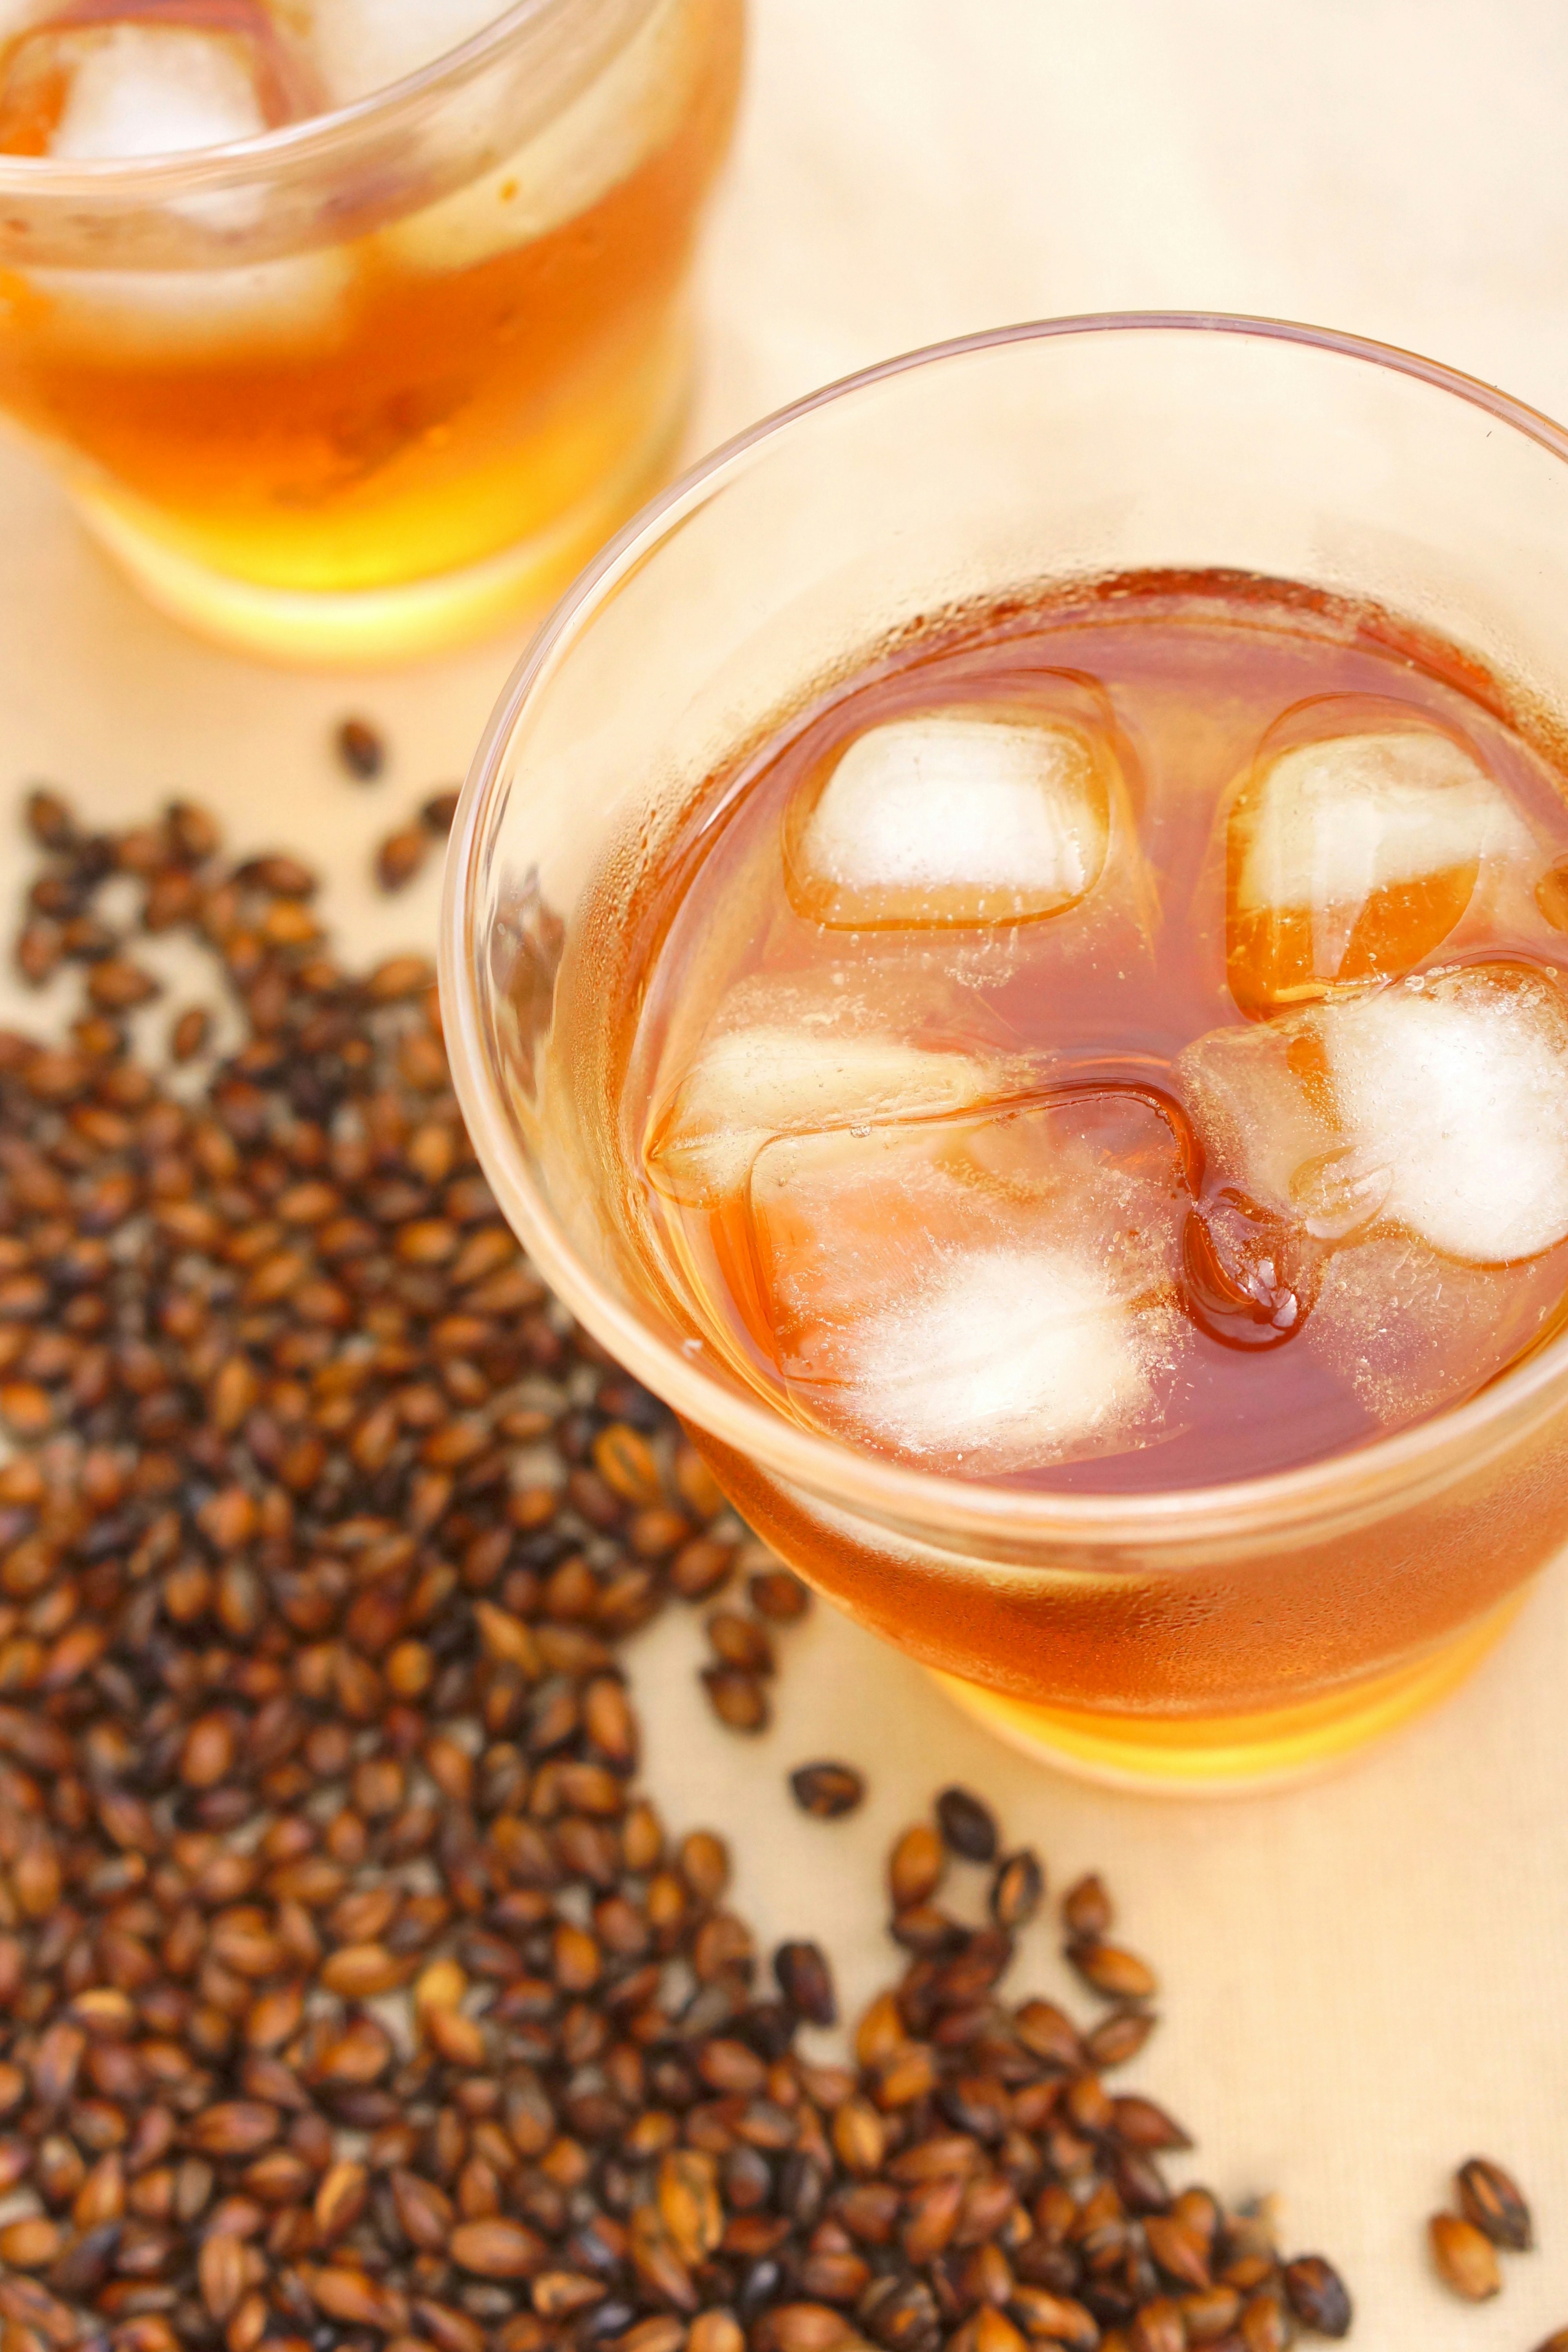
pixel 375 379
pixel 1204 1638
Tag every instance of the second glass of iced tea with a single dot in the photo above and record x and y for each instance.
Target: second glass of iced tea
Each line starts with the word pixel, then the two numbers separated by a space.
pixel 1007 952
pixel 354 327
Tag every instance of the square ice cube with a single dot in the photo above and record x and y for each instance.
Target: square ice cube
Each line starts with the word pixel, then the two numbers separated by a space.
pixel 1351 857
pixel 1438 1106
pixel 965 815
pixel 985 1293
pixel 126 89
pixel 150 90
pixel 783 1056
pixel 1458 1085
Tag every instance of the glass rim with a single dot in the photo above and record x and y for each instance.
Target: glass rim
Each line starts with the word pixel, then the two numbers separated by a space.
pixel 131 181
pixel 924 1501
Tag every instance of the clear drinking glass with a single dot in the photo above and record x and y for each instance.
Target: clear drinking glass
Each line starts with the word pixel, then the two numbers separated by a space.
pixel 1201 1637
pixel 375 379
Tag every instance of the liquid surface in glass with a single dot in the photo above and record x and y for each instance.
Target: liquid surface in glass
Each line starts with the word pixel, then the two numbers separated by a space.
pixel 1117 1046
pixel 398 405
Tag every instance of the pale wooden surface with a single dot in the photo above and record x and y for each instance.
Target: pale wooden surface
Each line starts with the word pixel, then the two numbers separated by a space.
pixel 1366 1981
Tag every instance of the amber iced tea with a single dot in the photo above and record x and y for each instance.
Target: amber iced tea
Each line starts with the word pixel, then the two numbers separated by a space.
pixel 1161 1080
pixel 482 382
pixel 1123 1049
pixel 1118 1048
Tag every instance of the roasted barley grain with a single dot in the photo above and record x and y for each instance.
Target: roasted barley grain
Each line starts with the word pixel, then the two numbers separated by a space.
pixel 1464 2259
pixel 828 1790
pixel 1493 2201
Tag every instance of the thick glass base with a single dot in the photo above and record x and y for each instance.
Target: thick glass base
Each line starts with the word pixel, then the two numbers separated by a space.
pixel 377 627
pixel 1233 1755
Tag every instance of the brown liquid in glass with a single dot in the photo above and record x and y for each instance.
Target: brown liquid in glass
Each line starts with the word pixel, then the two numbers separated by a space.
pixel 440 415
pixel 1190 686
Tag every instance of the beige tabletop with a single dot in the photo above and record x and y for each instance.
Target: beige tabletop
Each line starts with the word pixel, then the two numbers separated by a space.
pixel 1365 1980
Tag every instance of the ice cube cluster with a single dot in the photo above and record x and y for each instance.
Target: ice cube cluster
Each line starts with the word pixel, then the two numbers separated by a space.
pixel 978 1262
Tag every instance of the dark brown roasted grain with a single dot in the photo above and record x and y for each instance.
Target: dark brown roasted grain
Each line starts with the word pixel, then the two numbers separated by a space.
pixel 351 1992
pixel 1494 2202
pixel 827 1792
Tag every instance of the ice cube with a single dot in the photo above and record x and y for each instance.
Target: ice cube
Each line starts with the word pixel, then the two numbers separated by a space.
pixel 624 114
pixel 136 90
pixel 145 89
pixel 1000 1361
pixel 1460 1086
pixel 192 313
pixel 361 46
pixel 1258 1101
pixel 986 1292
pixel 1436 1107
pixel 961 816
pixel 1412 1331
pixel 783 1056
pixel 1351 858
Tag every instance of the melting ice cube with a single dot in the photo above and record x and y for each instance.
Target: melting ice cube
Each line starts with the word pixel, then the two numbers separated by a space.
pixel 115 83
pixel 981 1293
pixel 965 817
pixel 1411 1330
pixel 627 111
pixel 784 1058
pixel 1460 1086
pixel 1408 1152
pixel 146 89
pixel 1259 1102
pixel 1438 1105
pixel 1351 858
pixel 124 89
pixel 362 45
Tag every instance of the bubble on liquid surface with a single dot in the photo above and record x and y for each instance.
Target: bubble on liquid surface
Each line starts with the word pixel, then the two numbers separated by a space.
pixel 967 816
pixel 985 1293
pixel 1352 857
